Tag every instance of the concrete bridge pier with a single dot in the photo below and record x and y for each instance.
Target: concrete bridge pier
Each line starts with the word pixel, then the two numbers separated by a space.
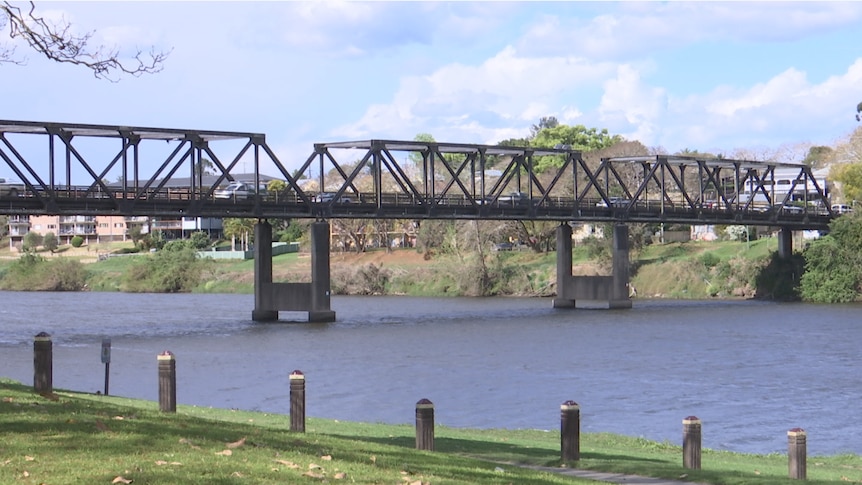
pixel 611 289
pixel 314 297
pixel 785 243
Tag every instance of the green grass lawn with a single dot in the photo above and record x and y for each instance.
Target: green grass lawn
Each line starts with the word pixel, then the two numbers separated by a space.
pixel 75 438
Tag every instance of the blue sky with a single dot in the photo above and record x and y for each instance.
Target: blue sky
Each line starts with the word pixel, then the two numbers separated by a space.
pixel 739 77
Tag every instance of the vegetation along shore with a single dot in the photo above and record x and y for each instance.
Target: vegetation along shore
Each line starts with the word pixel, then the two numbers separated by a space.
pixel 739 265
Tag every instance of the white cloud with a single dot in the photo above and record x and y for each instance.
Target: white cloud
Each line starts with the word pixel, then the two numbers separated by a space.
pixel 504 87
pixel 641 28
pixel 628 102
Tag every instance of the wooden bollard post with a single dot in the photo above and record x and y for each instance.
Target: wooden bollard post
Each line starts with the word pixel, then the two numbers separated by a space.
pixel 570 431
pixel 167 382
pixel 691 440
pixel 425 425
pixel 43 363
pixel 297 401
pixel 796 453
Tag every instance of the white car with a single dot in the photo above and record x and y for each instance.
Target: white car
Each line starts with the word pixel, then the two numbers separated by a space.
pixel 235 190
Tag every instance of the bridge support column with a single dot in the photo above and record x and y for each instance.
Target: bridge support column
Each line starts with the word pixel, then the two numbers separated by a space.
pixel 314 297
pixel 612 289
pixel 620 286
pixel 320 281
pixel 785 243
pixel 263 308
pixel 564 266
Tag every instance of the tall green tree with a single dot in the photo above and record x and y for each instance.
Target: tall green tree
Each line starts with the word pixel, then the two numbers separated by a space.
pixel 577 137
pixel 238 228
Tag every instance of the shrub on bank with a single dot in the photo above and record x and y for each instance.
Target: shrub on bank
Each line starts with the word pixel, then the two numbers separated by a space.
pixel 32 272
pixel 175 269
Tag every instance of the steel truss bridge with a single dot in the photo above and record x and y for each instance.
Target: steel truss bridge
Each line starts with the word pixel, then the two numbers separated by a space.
pixel 79 169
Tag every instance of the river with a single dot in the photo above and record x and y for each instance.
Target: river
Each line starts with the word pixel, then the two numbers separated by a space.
pixel 750 370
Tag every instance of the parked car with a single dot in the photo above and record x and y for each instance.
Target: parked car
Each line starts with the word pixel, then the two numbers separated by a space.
pixel 788 209
pixel 839 209
pixel 326 197
pixel 237 190
pixel 10 189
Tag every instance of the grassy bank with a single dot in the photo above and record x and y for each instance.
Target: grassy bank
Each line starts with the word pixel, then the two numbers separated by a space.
pixel 74 438
pixel 675 270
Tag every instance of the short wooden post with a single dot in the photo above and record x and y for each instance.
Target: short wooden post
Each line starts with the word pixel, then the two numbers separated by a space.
pixel 43 364
pixel 425 425
pixel 691 442
pixel 796 453
pixel 167 382
pixel 570 431
pixel 297 401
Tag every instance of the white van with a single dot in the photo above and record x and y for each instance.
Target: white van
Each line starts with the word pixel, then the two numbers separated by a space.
pixel 841 209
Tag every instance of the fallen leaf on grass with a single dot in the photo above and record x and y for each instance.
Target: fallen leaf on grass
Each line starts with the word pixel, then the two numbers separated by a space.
pixel 28 458
pixel 25 474
pixel 7 399
pixel 188 442
pixel 288 464
pixel 373 459
pixel 224 453
pixel 236 444
pixel 120 479
pixel 326 457
pixel 236 474
pixel 312 466
pixel 339 476
pixel 313 475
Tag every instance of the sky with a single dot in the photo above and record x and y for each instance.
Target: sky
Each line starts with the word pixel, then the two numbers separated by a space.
pixel 714 77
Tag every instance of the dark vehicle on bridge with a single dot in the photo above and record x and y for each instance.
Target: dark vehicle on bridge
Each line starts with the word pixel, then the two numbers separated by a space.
pixel 326 197
pixel 517 199
pixel 10 189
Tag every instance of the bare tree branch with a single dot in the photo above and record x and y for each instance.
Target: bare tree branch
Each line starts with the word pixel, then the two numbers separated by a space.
pixel 57 42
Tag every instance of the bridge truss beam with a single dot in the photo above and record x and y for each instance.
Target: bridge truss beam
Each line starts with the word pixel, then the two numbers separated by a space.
pixel 76 169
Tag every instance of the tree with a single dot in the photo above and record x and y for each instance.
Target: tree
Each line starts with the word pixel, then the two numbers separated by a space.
pixel 544 122
pixel 238 228
pixel 818 156
pixel 833 263
pixel 577 137
pixel 204 166
pixel 858 110
pixel 31 241
pixel 50 243
pixel 58 42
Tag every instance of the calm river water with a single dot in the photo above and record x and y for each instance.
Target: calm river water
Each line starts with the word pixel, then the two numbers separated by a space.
pixel 749 370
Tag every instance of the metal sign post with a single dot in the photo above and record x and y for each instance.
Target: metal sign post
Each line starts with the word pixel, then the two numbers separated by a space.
pixel 106 359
